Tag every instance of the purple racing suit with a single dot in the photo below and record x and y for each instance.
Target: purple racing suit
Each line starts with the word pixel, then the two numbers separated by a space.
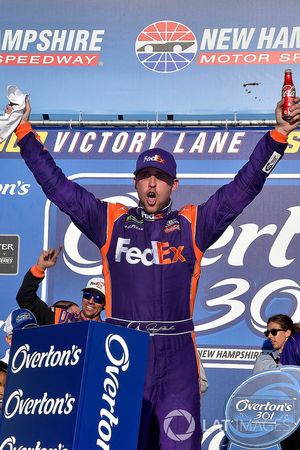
pixel 157 257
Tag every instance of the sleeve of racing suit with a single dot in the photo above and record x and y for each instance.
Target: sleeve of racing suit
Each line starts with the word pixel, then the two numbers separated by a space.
pixel 87 212
pixel 27 298
pixel 228 202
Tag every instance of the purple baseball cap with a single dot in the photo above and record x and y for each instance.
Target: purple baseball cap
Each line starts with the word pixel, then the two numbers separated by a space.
pixel 158 158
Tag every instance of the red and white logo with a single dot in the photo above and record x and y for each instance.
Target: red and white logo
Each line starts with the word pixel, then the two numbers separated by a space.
pixel 166 46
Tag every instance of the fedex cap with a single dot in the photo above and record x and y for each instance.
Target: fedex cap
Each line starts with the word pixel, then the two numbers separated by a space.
pixel 158 158
pixel 95 285
pixel 19 319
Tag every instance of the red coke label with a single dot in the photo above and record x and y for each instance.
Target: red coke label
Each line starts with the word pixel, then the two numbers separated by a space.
pixel 288 93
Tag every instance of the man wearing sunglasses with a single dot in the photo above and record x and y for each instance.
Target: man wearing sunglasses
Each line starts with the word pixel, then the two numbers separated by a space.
pixel 93 297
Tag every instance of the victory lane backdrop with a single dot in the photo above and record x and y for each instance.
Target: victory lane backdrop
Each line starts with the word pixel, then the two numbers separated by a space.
pixel 98 60
pixel 249 274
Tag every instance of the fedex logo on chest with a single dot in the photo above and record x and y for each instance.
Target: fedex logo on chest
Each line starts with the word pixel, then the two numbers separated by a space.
pixel 158 253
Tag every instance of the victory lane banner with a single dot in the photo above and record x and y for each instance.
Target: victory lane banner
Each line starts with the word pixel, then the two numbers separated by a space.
pixel 70 386
pixel 115 144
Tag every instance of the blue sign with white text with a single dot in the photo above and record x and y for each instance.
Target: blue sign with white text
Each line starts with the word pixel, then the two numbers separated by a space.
pixel 69 387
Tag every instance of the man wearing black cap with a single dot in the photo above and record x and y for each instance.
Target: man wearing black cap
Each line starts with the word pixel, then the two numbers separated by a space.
pixel 93 297
pixel 152 257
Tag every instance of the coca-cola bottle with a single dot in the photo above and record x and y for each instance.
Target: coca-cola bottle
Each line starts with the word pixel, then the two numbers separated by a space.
pixel 288 94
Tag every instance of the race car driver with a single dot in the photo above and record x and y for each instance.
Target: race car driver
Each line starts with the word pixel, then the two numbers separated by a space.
pixel 156 253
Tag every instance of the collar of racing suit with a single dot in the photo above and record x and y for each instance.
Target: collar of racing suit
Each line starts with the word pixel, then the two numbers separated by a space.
pixel 159 215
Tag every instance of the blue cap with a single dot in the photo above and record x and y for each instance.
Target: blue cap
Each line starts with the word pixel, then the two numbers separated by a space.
pixel 19 319
pixel 158 158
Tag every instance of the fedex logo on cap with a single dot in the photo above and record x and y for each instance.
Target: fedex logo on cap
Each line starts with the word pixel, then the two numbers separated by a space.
pixel 155 158
pixel 159 158
pixel 98 284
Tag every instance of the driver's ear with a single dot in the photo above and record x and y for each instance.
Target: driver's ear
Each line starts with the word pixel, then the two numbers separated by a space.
pixel 175 184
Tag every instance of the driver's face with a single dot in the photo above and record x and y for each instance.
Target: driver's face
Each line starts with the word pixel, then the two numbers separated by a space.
pixel 154 188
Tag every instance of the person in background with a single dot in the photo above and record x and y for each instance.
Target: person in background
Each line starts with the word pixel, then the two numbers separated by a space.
pixel 281 331
pixel 93 297
pixel 3 373
pixel 279 328
pixel 152 261
pixel 18 319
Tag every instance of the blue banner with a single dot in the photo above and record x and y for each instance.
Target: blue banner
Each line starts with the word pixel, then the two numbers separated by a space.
pixel 101 58
pixel 251 273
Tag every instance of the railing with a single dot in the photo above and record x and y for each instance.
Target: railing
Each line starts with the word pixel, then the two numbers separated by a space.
pixel 153 123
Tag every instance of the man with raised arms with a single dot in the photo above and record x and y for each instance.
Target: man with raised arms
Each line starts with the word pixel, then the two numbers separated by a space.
pixel 151 257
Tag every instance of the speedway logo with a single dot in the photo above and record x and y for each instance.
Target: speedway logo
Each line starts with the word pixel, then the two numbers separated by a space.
pixel 166 46
pixel 160 48
pixel 50 47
